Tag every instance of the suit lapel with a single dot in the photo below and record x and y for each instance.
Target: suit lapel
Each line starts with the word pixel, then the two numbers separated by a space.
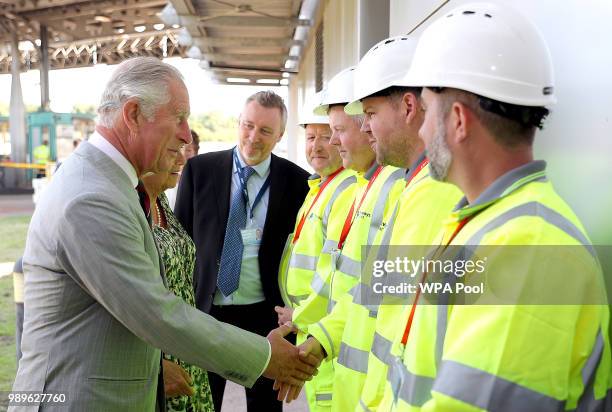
pixel 278 181
pixel 104 164
pixel 222 183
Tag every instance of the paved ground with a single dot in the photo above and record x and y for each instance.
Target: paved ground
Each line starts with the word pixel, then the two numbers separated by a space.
pixel 234 400
pixel 15 205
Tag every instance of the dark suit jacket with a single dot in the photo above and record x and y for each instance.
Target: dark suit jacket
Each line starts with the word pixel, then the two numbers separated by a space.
pixel 202 207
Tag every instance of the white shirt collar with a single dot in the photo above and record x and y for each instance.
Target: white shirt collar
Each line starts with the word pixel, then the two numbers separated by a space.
pixel 100 142
pixel 261 168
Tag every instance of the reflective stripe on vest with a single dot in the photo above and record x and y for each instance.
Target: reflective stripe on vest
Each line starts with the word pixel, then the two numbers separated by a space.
pixel 341 187
pixel 319 286
pixel 381 348
pixel 533 209
pixel 587 401
pixel 364 408
pixel 353 358
pixel 460 381
pixel 378 213
pixel 328 246
pixel 329 340
pixel 300 261
pixel 416 389
pixel 348 266
pixel 323 397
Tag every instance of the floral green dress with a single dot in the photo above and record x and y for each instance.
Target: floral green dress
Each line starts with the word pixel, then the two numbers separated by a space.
pixel 178 255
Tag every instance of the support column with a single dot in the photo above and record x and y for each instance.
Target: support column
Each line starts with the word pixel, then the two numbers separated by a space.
pixel 43 50
pixel 17 124
pixel 373 23
pixel 292 121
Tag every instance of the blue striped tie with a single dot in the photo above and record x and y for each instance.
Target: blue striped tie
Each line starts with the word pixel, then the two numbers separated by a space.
pixel 231 257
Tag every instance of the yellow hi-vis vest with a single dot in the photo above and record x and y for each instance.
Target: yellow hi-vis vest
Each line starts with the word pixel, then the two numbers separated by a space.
pixel 509 357
pixel 420 213
pixel 300 259
pixel 41 154
pixel 370 221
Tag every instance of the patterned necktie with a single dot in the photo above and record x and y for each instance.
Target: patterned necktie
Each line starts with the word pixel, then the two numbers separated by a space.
pixel 145 202
pixel 231 257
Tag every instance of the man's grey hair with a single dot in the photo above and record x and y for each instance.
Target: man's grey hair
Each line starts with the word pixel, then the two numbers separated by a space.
pixel 270 100
pixel 143 78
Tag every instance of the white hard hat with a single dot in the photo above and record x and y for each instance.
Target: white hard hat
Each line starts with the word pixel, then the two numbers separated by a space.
pixel 383 66
pixel 487 49
pixel 339 90
pixel 308 116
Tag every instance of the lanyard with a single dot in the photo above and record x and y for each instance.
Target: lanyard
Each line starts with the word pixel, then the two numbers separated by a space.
pixel 416 171
pixel 245 193
pixel 460 226
pixel 298 231
pixel 348 222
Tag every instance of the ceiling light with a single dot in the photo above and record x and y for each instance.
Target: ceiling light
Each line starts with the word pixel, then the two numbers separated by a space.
pixel 286 74
pixel 284 82
pixel 194 52
pixel 140 29
pixel 176 26
pixel 101 18
pixel 120 30
pixel 169 15
pixel 237 80
pixel 267 81
pixel 184 38
pixel 159 26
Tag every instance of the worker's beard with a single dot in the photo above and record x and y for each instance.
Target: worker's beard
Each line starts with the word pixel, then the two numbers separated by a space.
pixel 439 154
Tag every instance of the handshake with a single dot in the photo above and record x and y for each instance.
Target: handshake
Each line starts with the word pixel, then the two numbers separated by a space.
pixel 291 366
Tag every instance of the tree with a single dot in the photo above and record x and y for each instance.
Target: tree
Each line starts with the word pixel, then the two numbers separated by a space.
pixel 214 126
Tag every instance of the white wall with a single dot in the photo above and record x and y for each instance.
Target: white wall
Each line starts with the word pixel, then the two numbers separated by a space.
pixel 340 50
pixel 577 139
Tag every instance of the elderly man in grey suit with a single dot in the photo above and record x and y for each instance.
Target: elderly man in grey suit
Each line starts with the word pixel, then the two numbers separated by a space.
pixel 97 311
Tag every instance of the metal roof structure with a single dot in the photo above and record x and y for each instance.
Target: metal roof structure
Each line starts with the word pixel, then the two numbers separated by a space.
pixel 254 42
pixel 84 33
pixel 251 42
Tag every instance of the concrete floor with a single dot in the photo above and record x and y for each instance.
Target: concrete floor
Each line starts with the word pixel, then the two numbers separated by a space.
pixel 15 205
pixel 234 400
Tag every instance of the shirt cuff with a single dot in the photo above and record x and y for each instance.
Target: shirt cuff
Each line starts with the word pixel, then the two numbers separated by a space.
pixel 269 357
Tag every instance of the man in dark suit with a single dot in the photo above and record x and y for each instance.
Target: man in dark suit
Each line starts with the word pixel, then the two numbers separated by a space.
pixel 239 206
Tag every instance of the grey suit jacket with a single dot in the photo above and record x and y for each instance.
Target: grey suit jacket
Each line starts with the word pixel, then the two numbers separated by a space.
pixel 97 312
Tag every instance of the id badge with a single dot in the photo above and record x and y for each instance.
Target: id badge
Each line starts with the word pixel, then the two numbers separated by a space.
pixel 251 239
pixel 398 377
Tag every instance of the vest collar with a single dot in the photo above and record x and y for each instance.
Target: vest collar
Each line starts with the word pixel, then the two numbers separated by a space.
pixel 503 186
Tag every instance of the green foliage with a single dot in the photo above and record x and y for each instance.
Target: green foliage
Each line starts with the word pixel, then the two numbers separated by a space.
pixel 84 108
pixel 13 232
pixel 214 127
pixel 8 366
pixel 5 108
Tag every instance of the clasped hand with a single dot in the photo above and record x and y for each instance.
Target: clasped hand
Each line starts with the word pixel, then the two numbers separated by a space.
pixel 310 349
pixel 290 366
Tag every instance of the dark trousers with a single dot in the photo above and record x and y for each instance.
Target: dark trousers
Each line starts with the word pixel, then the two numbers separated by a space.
pixel 259 318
